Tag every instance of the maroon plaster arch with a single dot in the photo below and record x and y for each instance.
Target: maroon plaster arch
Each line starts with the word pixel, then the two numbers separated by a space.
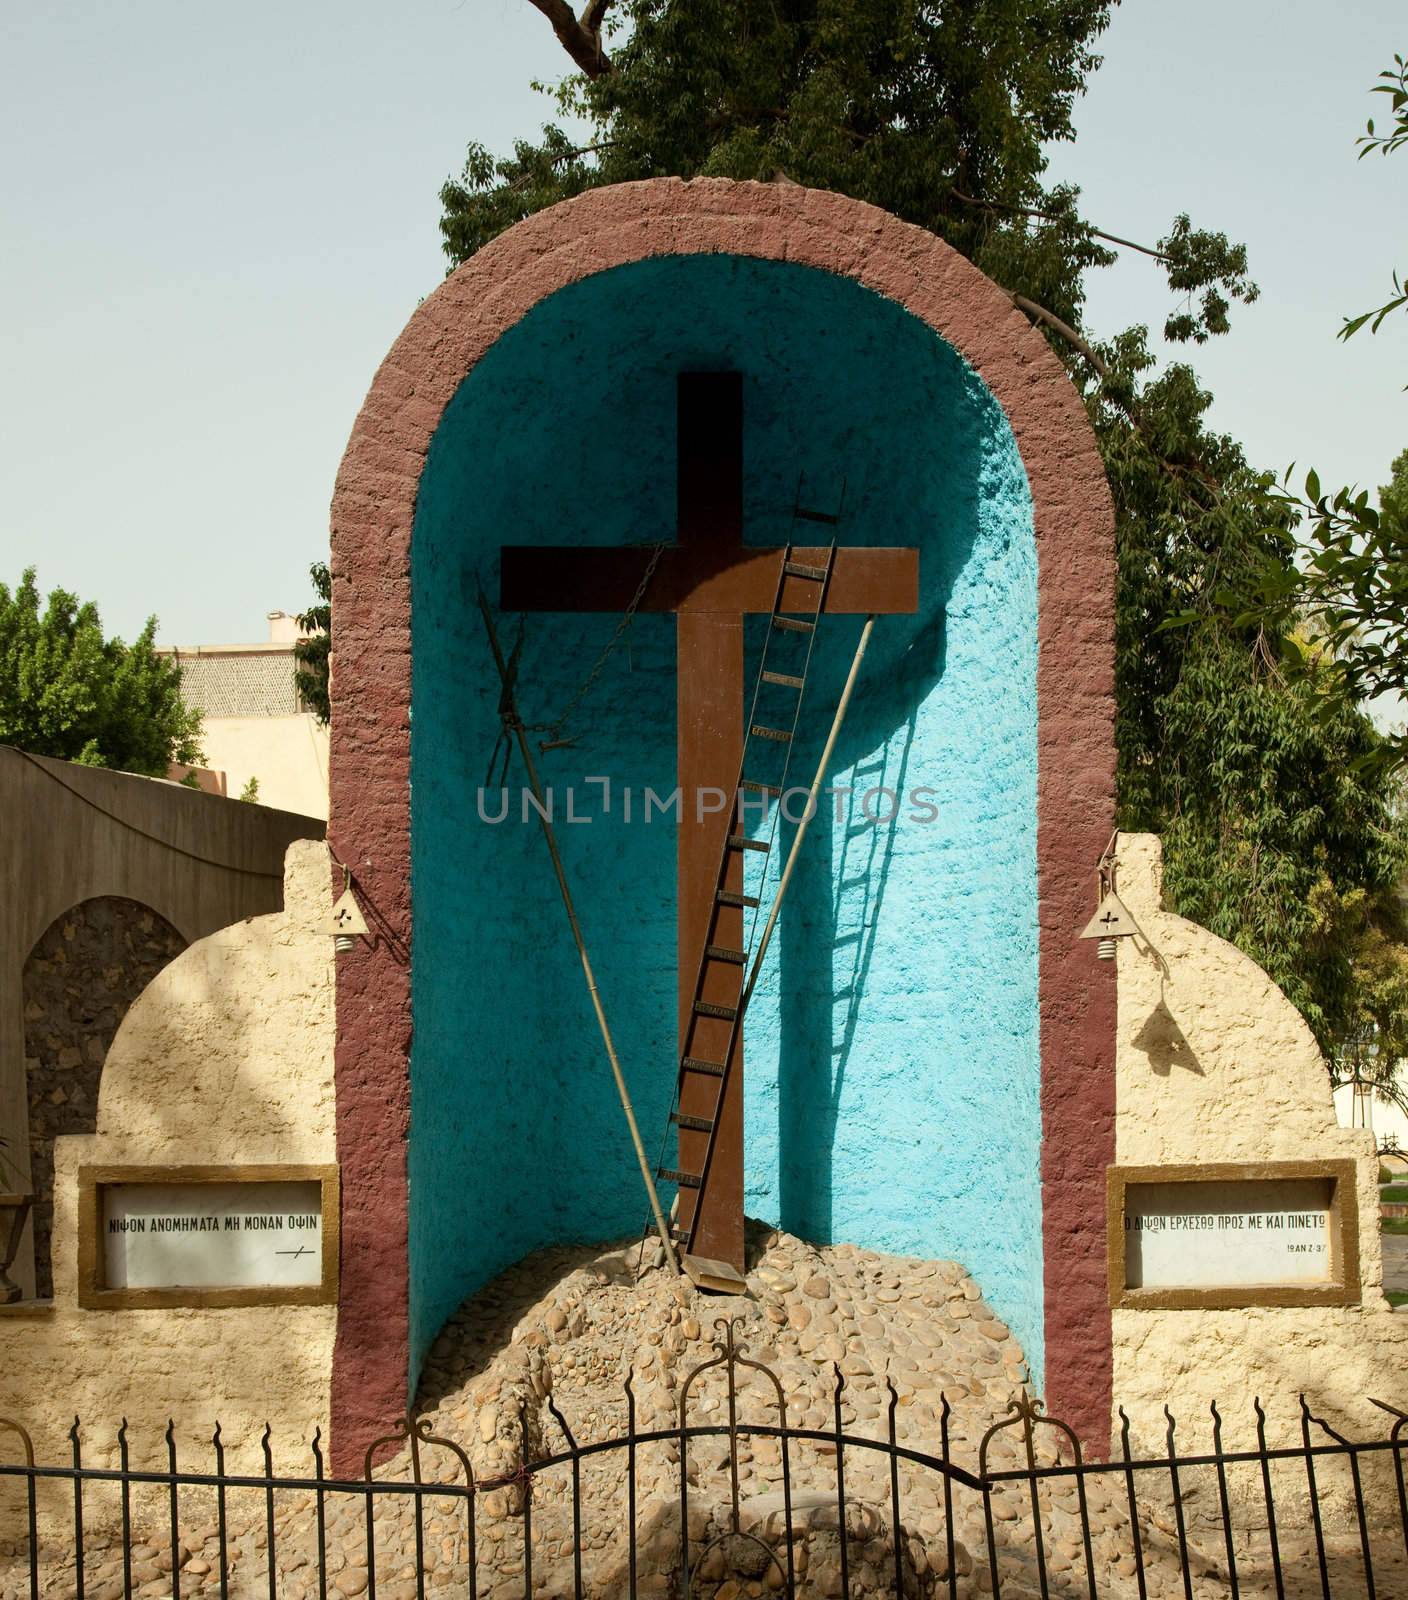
pixel 373 506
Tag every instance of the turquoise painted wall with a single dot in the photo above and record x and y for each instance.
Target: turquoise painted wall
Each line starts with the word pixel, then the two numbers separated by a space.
pixel 892 1050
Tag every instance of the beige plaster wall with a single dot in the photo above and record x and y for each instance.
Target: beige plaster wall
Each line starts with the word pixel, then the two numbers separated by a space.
pixel 1213 1063
pixel 288 755
pixel 226 1057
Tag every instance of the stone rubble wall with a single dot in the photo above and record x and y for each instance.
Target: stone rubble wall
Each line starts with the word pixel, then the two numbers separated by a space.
pixel 79 982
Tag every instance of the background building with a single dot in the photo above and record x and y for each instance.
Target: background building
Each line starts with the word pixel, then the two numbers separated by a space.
pixel 255 726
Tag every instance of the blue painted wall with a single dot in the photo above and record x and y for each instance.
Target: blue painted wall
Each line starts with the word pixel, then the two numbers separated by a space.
pixel 892 1050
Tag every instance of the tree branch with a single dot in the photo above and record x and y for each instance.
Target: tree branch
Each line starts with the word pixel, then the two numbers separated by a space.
pixel 580 38
pixel 565 155
pixel 1068 333
pixel 1056 216
pixel 594 15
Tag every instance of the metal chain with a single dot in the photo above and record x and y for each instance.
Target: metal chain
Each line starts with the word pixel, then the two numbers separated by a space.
pixel 553 730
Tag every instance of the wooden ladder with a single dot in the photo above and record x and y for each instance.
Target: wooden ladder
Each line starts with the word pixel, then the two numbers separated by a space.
pixel 769 735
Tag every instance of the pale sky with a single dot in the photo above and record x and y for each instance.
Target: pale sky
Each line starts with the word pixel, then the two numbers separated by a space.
pixel 215 223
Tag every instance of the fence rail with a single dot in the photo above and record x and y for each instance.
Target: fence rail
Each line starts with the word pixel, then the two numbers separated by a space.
pixel 841 1514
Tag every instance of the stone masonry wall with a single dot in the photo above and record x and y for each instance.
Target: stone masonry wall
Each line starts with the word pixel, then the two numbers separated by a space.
pixel 79 981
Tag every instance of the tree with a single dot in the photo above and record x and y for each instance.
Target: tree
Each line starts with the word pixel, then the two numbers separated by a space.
pixel 67 691
pixel 313 654
pixel 937 114
pixel 1279 830
pixel 1393 81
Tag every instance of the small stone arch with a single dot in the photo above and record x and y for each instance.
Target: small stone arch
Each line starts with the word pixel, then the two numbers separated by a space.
pixel 79 981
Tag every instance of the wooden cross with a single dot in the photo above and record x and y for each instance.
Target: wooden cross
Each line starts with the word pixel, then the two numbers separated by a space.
pixel 711 580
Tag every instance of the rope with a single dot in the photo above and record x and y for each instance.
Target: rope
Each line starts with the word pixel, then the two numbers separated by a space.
pixel 553 730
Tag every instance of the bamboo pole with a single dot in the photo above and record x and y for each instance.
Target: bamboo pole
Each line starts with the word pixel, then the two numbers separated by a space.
pixel 509 711
pixel 842 705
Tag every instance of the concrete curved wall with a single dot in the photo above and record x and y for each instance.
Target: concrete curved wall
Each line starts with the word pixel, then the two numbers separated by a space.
pixel 892 1058
pixel 373 513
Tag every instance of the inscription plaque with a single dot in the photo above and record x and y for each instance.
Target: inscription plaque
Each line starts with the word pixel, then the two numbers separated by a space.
pixel 154 1236
pixel 1271 1233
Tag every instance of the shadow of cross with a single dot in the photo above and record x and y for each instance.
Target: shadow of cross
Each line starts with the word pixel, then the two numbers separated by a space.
pixel 711 580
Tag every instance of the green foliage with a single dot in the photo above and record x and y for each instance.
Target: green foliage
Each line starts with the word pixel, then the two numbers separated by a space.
pixel 1342 564
pixel 1394 83
pixel 1349 573
pixel 312 655
pixel 1281 832
pixel 250 792
pixel 936 113
pixel 68 692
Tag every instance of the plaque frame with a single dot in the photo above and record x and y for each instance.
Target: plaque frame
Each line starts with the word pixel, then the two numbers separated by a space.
pixel 94 1295
pixel 1344 1287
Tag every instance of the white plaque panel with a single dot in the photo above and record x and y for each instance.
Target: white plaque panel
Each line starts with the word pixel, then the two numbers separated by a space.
pixel 1228 1233
pixel 212 1235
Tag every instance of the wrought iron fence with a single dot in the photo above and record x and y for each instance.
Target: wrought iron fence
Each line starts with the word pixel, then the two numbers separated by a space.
pixel 853 1515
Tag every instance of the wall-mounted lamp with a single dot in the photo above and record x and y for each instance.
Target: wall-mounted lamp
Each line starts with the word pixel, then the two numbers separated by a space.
pixel 1113 918
pixel 346 923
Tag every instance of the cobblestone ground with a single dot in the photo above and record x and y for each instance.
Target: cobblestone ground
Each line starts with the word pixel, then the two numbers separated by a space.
pixel 565 1327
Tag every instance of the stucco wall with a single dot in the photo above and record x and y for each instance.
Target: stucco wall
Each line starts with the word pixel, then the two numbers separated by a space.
pixel 892 1079
pixel 1214 1064
pixel 225 1058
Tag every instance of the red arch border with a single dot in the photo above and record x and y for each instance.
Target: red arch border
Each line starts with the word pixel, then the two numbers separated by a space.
pixel 373 506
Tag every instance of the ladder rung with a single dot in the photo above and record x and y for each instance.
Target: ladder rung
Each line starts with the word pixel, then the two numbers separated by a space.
pixel 777 735
pixel 808 515
pixel 784 678
pixel 697 1124
pixel 719 952
pixel 710 1069
pixel 731 897
pixel 741 841
pixel 707 1008
pixel 686 1180
pixel 792 624
pixel 795 569
pixel 760 788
